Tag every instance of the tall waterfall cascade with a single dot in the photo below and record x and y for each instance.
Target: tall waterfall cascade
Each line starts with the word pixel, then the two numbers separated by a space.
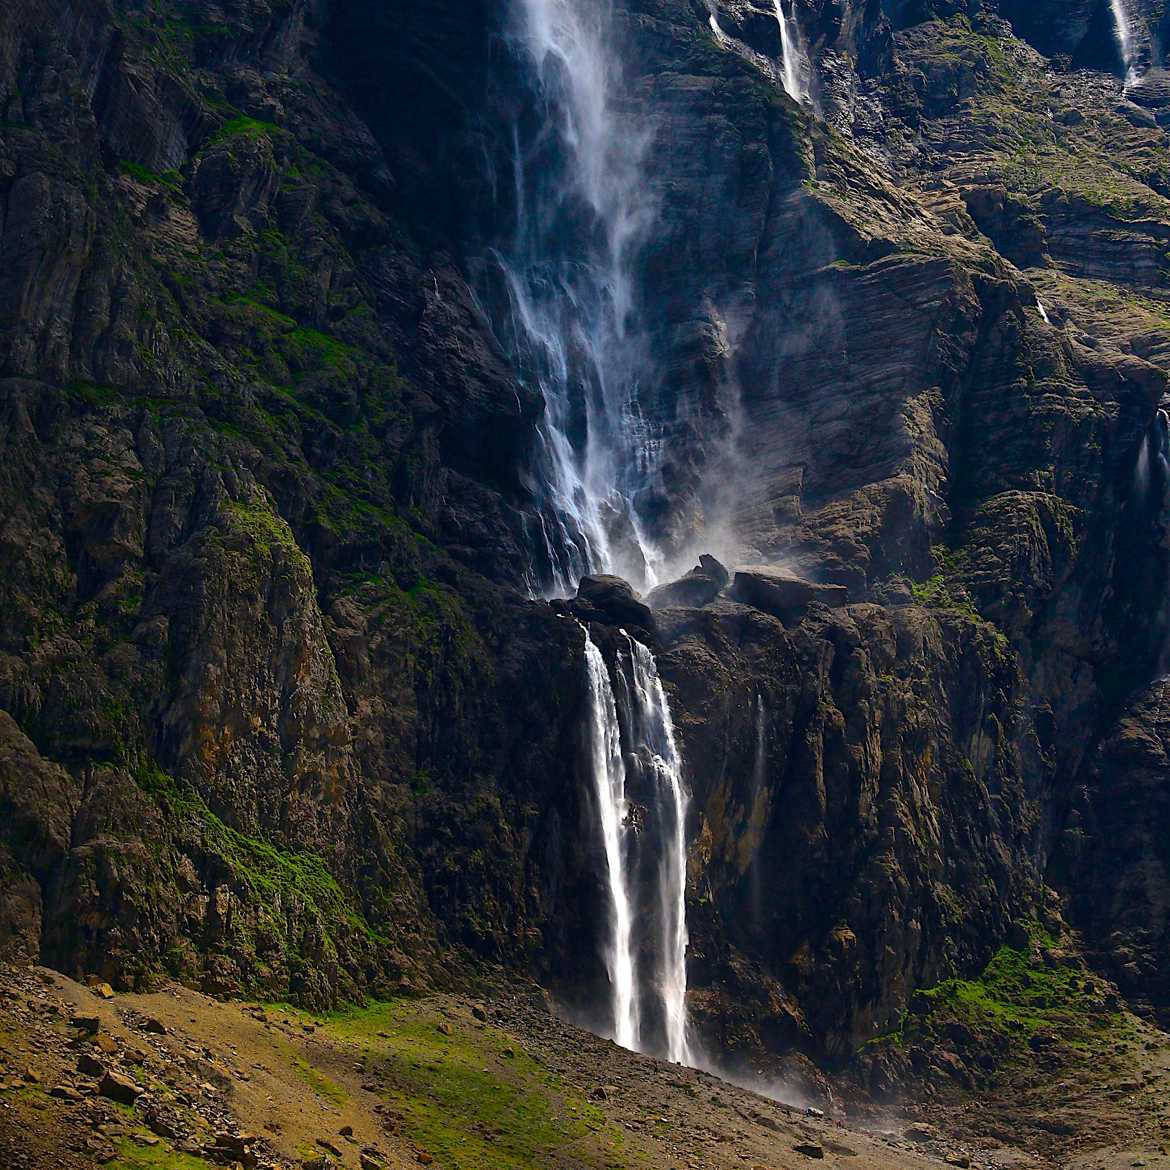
pixel 609 776
pixel 1126 41
pixel 645 943
pixel 796 69
pixel 582 212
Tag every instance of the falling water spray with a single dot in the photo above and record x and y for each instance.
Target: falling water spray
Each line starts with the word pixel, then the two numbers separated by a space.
pixel 653 730
pixel 1126 42
pixel 652 756
pixel 609 779
pixel 795 68
pixel 583 212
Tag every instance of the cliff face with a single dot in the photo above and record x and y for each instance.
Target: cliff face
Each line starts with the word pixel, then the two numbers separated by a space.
pixel 275 708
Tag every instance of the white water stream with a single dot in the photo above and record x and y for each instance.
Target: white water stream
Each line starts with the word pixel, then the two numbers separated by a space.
pixel 582 212
pixel 796 69
pixel 1126 41
pixel 651 762
pixel 609 776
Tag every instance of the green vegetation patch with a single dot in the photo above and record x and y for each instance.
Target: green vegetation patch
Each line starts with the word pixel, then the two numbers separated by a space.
pixel 470 1096
pixel 243 127
pixel 132 1156
pixel 320 1084
pixel 171 180
pixel 274 877
pixel 1019 994
pixel 267 531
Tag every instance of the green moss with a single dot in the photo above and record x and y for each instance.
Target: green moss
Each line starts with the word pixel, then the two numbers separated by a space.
pixel 244 127
pixel 273 877
pixel 325 1088
pixel 312 349
pixel 132 1156
pixel 266 530
pixel 253 305
pixel 92 395
pixel 945 591
pixel 171 180
pixel 1018 995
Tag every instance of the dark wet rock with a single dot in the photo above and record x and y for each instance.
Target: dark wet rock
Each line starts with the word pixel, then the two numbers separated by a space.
pixel 614 602
pixel 699 587
pixel 778 592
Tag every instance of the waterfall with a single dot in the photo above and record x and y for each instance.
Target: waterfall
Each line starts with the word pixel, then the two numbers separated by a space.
pixel 1155 448
pixel 795 68
pixel 651 765
pixel 1123 30
pixel 582 212
pixel 609 775
pixel 760 767
pixel 653 733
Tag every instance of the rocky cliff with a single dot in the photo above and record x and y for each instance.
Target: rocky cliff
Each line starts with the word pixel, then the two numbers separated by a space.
pixel 276 709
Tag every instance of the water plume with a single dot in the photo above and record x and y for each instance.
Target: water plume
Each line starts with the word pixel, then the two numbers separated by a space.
pixel 582 213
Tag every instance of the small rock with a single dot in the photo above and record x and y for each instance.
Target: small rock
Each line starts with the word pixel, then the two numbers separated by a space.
pixel 329 1147
pixel 920 1132
pixel 236 1147
pixel 509 1053
pixel 445 1028
pixel 89 1065
pixel 89 1024
pixel 104 1042
pixel 103 990
pixel 65 1093
pixel 810 1150
pixel 156 1027
pixel 31 1077
pixel 479 1012
pixel 960 1160
pixel 119 1088
pixel 424 1158
pixel 367 1162
pixel 346 1131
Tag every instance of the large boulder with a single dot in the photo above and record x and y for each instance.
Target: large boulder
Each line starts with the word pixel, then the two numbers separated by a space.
pixel 698 588
pixel 613 602
pixel 781 593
